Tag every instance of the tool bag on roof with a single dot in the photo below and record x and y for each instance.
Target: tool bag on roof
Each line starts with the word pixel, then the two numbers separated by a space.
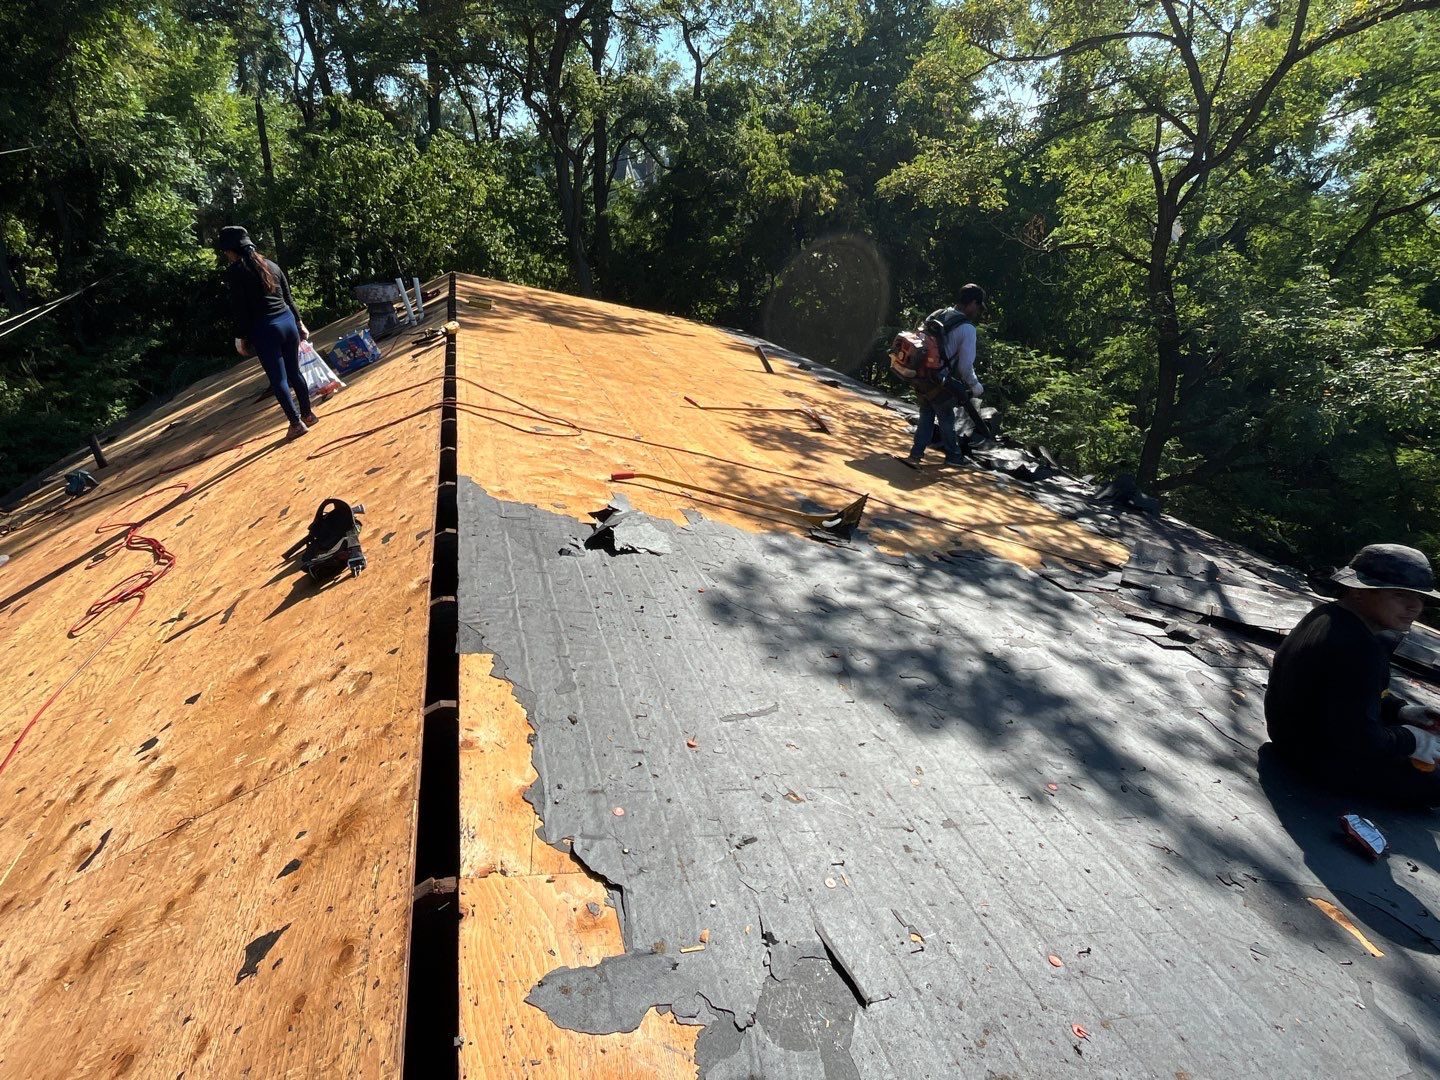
pixel 79 482
pixel 332 543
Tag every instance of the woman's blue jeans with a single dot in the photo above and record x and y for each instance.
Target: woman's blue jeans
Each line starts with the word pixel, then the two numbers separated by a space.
pixel 276 342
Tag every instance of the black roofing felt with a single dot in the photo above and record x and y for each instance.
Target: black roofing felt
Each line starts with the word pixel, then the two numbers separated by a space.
pixel 866 824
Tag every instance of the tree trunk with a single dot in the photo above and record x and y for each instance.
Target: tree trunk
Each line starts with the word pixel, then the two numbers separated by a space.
pixel 433 74
pixel 1169 357
pixel 312 42
pixel 567 184
pixel 64 237
pixel 1162 420
pixel 432 99
pixel 469 109
pixel 268 163
pixel 600 161
pixel 67 276
pixel 317 59
pixel 10 290
pixel 361 86
pixel 695 57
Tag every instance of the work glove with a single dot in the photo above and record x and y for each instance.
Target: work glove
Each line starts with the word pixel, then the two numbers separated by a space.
pixel 1427 745
pixel 977 389
pixel 1422 716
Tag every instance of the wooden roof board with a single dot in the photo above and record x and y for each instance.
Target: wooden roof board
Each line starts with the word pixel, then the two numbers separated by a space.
pixel 241 721
pixel 534 370
pixel 239 727
pixel 557 393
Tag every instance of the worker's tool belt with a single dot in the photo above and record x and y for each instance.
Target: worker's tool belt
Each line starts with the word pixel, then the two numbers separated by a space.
pixel 332 543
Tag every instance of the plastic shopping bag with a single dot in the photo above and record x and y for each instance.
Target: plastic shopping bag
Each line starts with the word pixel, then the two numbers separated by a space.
pixel 319 379
pixel 354 351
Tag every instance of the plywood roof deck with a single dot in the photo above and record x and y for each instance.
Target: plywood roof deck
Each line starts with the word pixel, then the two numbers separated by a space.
pixel 206 842
pixel 237 768
pixel 1036 840
pixel 562 392
pixel 556 393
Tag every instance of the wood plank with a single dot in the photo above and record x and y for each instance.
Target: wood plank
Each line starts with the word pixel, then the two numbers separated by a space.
pixel 528 909
pixel 622 375
pixel 169 759
pixel 145 957
pixel 497 826
pixel 513 931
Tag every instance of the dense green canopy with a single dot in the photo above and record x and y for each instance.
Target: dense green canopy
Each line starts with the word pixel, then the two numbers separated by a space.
pixel 1209 230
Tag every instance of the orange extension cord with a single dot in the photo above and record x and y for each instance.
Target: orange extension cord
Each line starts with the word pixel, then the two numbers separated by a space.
pixel 572 429
pixel 138 584
pixel 131 588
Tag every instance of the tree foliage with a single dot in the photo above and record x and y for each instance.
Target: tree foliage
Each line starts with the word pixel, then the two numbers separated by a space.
pixel 1208 228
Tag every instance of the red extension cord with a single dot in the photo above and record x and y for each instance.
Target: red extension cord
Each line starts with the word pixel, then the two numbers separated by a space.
pixel 133 588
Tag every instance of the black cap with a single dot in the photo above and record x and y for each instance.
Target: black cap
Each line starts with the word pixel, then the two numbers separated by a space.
pixel 1389 566
pixel 969 292
pixel 233 238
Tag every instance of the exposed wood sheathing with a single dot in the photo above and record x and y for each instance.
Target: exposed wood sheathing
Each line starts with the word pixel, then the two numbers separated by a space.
pixel 238 767
pixel 526 909
pixel 206 842
pixel 532 369
pixel 626 373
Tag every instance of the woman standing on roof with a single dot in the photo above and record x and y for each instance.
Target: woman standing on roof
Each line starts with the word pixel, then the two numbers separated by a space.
pixel 266 323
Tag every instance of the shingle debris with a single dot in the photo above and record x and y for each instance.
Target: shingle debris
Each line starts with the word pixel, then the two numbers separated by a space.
pixel 620 529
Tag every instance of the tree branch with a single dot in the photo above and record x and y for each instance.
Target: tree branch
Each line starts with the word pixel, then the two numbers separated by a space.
pixel 1375 217
pixel 1084 45
pixel 1209 470
pixel 1295 52
pixel 1186 49
pixel 1049 137
pixel 1093 245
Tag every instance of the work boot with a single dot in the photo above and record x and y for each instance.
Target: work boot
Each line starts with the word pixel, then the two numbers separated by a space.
pixel 310 419
pixel 297 428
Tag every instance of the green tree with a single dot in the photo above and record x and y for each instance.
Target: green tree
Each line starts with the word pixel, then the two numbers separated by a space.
pixel 126 120
pixel 1175 130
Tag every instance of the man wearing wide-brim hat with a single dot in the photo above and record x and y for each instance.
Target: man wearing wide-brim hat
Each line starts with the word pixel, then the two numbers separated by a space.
pixel 1329 707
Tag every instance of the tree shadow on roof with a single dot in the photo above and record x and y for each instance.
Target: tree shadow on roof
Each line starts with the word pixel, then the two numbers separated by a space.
pixel 1376 892
pixel 1150 748
pixel 899 476
pixel 590 316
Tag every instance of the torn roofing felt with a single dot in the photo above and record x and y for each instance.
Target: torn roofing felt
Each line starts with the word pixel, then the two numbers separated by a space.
pixel 885 790
pixel 620 529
